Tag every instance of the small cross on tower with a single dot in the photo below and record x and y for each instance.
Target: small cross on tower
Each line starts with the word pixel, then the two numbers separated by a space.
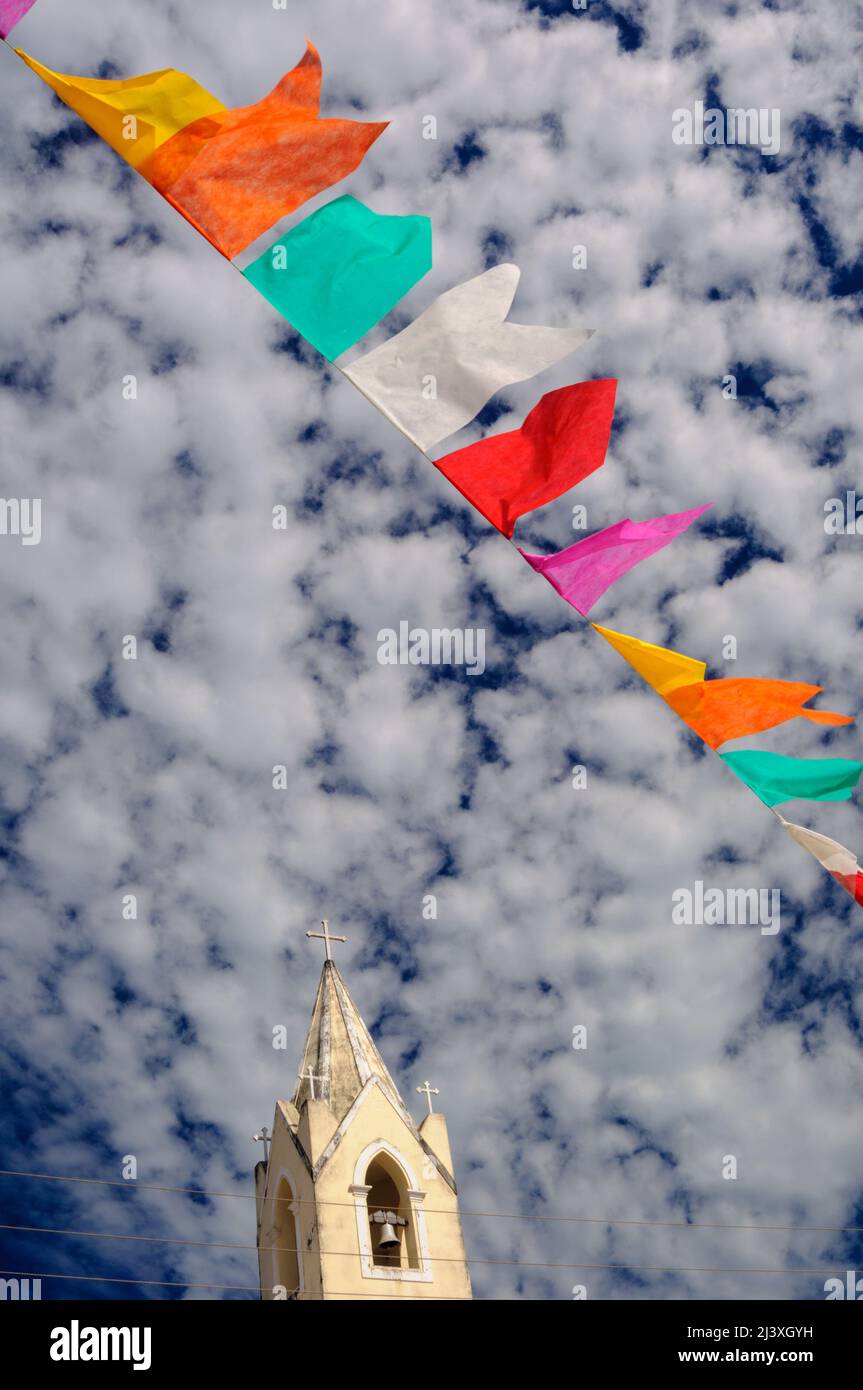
pixel 326 936
pixel 428 1091
pixel 311 1078
pixel 264 1138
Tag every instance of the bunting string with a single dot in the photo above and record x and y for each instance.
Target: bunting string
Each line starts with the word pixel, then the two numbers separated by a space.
pixel 234 173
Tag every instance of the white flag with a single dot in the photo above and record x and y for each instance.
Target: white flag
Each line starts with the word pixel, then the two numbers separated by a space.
pixel 835 858
pixel 434 377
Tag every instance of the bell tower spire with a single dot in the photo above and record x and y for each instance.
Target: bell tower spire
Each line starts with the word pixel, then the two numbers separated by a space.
pixel 355 1200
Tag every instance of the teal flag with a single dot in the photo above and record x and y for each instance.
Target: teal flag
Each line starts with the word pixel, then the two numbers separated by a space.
pixel 341 270
pixel 775 778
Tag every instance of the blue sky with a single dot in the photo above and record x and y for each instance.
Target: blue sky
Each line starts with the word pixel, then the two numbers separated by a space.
pixel 258 648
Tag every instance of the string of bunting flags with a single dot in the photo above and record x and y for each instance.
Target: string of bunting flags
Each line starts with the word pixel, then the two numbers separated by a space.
pixel 234 173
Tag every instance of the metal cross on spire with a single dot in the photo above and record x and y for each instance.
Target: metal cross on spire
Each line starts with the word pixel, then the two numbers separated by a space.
pixel 326 936
pixel 428 1091
pixel 264 1138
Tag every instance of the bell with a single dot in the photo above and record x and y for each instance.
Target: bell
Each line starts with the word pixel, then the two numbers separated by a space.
pixel 389 1240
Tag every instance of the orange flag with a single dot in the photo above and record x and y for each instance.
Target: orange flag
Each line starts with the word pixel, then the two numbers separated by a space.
pixel 724 709
pixel 234 173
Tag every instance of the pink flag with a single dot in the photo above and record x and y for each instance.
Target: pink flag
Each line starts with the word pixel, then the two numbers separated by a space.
pixel 10 12
pixel 582 573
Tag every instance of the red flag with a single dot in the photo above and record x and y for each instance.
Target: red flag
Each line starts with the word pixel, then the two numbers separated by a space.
pixel 563 440
pixel 853 884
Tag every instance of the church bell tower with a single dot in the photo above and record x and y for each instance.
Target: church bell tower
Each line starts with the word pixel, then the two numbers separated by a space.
pixel 354 1200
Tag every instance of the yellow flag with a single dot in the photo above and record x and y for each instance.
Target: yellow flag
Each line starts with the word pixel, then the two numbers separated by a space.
pixel 136 115
pixel 665 670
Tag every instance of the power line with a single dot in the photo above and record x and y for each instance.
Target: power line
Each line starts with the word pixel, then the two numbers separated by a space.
pixel 438 1211
pixel 432 1259
pixel 583 1264
pixel 179 1284
pixel 225 1244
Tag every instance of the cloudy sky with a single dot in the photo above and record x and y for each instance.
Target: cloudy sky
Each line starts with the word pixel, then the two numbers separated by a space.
pixel 258 648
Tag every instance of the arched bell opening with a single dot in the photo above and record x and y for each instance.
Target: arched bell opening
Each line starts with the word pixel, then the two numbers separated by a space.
pixel 286 1240
pixel 391 1226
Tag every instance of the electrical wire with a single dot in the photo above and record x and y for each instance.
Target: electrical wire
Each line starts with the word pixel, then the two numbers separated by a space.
pixel 432 1259
pixel 179 1284
pixel 522 1264
pixel 440 1211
